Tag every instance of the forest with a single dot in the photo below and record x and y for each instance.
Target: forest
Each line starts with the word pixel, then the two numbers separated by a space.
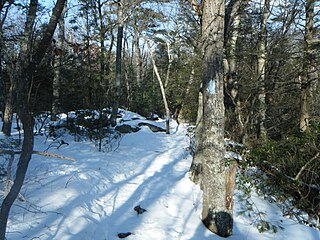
pixel 242 74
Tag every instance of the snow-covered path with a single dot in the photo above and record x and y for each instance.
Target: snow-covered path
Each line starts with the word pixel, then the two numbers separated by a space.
pixel 93 198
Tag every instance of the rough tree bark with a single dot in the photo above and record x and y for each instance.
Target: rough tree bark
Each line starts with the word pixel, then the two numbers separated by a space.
pixel 216 213
pixel 195 171
pixel 262 61
pixel 309 72
pixel 26 68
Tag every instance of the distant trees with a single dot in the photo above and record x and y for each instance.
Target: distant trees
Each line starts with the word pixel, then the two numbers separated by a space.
pixel 88 72
pixel 270 46
pixel 257 39
pixel 4 9
pixel 7 102
pixel 58 54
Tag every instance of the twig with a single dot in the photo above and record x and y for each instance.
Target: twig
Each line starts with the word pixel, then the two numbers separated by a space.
pixel 291 178
pixel 305 166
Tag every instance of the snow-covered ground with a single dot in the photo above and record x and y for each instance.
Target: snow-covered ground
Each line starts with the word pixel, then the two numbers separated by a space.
pixel 94 197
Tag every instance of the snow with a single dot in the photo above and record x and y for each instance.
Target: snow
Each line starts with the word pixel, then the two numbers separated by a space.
pixel 94 197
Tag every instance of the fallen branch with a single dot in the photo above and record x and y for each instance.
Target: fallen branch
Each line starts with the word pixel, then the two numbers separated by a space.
pixel 53 155
pixel 274 169
pixel 305 166
pixel 39 153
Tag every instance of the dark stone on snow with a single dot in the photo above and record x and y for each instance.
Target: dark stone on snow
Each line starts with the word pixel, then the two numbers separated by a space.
pixel 124 128
pixel 152 127
pixel 124 235
pixel 139 209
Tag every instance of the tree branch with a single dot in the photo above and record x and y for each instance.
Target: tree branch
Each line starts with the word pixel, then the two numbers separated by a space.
pixel 305 166
pixel 3 151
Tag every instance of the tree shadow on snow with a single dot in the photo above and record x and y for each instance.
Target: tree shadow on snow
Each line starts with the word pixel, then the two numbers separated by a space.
pixel 103 219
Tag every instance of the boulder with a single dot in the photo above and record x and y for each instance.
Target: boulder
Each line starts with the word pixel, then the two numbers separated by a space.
pixel 152 127
pixel 125 128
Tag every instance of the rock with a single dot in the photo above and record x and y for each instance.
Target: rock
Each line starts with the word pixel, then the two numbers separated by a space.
pixel 152 127
pixel 125 128
pixel 139 209
pixel 124 235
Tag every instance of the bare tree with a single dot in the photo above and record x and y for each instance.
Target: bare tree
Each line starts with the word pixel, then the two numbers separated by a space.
pixel 309 76
pixel 232 27
pixel 26 68
pixel 118 63
pixel 137 50
pixel 262 61
pixel 162 88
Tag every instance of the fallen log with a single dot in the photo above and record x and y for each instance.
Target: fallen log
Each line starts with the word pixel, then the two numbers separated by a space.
pixel 6 151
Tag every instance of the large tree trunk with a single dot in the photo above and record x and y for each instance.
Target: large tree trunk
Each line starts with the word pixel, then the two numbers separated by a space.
pixel 25 72
pixel 262 61
pixel 309 72
pixel 27 148
pixel 216 215
pixel 22 99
